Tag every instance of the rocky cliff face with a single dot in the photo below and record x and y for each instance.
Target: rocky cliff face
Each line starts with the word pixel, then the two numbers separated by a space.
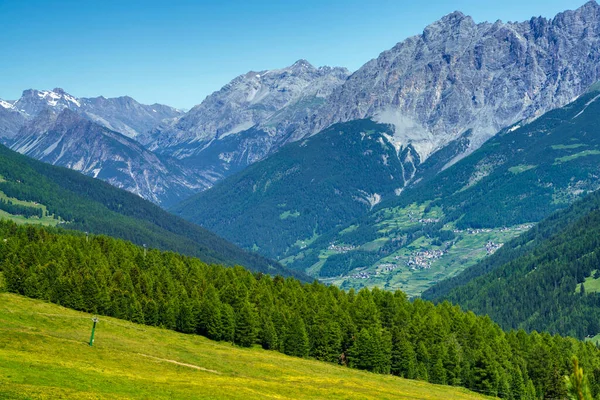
pixel 456 76
pixel 255 98
pixel 249 118
pixel 459 75
pixel 121 114
pixel 94 136
pixel 68 139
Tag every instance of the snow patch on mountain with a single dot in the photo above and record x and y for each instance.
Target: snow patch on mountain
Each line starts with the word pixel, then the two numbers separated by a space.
pixel 6 104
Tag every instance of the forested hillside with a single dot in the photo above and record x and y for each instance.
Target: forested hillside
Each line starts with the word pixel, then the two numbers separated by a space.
pixel 306 189
pixel 372 330
pixel 547 279
pixel 87 204
pixel 443 223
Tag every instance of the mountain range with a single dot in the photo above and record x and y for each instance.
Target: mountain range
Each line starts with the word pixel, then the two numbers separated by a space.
pixel 98 137
pixel 458 76
pixel 275 146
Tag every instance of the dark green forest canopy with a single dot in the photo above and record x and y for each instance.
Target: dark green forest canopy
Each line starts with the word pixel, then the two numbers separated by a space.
pixel 535 281
pixel 91 205
pixel 373 330
pixel 306 189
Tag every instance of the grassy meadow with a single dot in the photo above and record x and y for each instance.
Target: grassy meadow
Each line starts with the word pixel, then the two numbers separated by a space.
pixel 44 354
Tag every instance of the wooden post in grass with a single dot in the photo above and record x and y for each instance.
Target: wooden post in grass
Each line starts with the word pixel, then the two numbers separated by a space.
pixel 95 319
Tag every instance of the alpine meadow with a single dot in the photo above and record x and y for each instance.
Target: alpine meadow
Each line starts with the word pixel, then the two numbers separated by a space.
pixel 424 224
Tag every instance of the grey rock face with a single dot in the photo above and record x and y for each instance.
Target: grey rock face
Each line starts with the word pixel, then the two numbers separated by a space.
pixel 459 75
pixel 121 114
pixel 11 120
pixel 270 102
pixel 68 139
pixel 127 116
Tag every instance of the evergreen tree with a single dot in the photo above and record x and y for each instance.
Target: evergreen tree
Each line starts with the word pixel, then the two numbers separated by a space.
pixel 404 359
pixel 578 387
pixel 371 351
pixel 227 323
pixel 246 325
pixel 151 316
pixel 326 338
pixel 209 320
pixel 485 375
pixel 268 334
pixel 186 319
pixel 296 339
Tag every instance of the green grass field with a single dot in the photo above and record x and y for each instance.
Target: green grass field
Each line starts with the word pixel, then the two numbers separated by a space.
pixel 47 220
pixel 44 354
pixel 467 250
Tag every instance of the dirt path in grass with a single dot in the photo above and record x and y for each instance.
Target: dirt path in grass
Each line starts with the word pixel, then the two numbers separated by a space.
pixel 180 363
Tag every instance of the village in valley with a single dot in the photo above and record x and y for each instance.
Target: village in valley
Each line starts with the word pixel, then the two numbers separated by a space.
pixel 416 266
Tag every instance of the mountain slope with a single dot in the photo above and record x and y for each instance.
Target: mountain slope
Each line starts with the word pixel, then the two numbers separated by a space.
pixel 96 137
pixel 91 205
pixel 41 343
pixel 535 282
pixel 305 189
pixel 121 114
pixel 68 139
pixel 456 76
pixel 249 118
pixel 444 223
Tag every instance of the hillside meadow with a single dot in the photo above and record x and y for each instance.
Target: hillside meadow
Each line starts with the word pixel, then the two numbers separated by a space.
pixel 44 354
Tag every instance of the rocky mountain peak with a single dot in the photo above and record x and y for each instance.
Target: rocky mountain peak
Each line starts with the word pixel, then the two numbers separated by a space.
pixel 302 65
pixel 459 75
pixel 252 99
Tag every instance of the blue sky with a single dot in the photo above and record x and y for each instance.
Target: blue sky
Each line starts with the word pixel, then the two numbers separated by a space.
pixel 177 52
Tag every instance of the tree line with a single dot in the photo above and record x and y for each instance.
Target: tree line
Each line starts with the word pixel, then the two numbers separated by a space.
pixel 18 209
pixel 373 330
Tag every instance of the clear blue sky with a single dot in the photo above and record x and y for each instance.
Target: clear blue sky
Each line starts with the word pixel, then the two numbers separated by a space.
pixel 177 52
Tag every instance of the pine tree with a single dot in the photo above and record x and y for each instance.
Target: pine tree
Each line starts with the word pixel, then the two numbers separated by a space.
pixel 268 334
pixel 186 320
pixel 151 316
pixel 517 384
pixel 404 359
pixel 438 372
pixel 326 338
pixel 136 313
pixel 372 351
pixel 360 355
pixel 485 375
pixel 208 322
pixel 246 325
pixel 577 384
pixel 296 339
pixel 227 323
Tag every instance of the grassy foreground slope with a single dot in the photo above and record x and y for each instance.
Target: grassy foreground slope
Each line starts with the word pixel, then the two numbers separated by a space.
pixel 44 354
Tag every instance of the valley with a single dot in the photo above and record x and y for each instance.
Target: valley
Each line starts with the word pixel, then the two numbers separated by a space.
pixel 423 226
